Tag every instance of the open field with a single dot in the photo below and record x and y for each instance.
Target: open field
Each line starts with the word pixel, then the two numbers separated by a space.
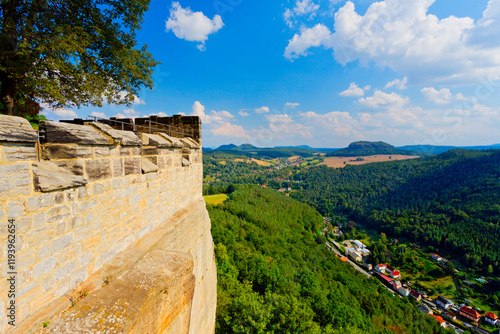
pixel 216 199
pixel 259 162
pixel 338 162
pixel 295 157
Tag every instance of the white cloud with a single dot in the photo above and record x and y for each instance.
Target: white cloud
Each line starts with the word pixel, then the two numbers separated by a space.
pixel 442 96
pixel 284 124
pixel 59 112
pixel 230 130
pixel 353 91
pixel 292 105
pixel 332 125
pixel 98 114
pixel 159 114
pixel 243 113
pixel 192 26
pixel 299 44
pixel 262 110
pixel 302 7
pixel 120 115
pixel 402 36
pixel 384 100
pixel 215 117
pixel 398 84
pixel 135 98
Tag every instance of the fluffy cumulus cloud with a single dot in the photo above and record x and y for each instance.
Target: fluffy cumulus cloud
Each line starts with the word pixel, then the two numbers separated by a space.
pixel 319 35
pixel 192 26
pixel 127 113
pixel 230 130
pixel 262 110
pixel 398 84
pixel 384 100
pixel 135 99
pixel 98 114
pixel 218 123
pixel 442 96
pixel 353 91
pixel 302 7
pixel 243 113
pixel 292 105
pixel 61 113
pixel 402 36
pixel 283 124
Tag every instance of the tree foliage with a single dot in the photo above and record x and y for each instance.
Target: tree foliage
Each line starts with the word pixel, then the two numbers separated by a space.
pixel 274 277
pixel 71 53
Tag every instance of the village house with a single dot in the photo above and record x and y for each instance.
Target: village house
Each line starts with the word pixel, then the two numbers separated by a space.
pixel 381 267
pixel 396 285
pixel 470 314
pixel 424 308
pixel 416 295
pixel 404 292
pixel 444 303
pixel 439 319
pixel 491 318
pixel 436 257
pixel 354 254
pixel 395 274
pixel 450 315
pixel 358 244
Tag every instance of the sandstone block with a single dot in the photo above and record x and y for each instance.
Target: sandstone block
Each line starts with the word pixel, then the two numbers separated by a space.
pixel 61 243
pixel 15 209
pixel 124 151
pixel 20 153
pixel 118 167
pixel 132 166
pixel 39 202
pixel 48 176
pixel 186 162
pixel 58 151
pixel 15 180
pixel 64 271
pixel 16 129
pixel 58 213
pixel 154 140
pixel 148 166
pixel 149 150
pixel 44 267
pixel 98 169
pixel 57 132
pixel 175 142
pixel 102 152
pixel 124 138
pixel 44 251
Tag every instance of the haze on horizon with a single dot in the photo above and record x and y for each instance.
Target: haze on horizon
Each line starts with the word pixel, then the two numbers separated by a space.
pixel 324 73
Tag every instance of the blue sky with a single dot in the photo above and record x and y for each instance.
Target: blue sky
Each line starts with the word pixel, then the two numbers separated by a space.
pixel 324 72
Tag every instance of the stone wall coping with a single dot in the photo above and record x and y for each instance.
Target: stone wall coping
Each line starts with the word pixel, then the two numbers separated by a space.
pixel 16 129
pixel 125 138
pixel 67 133
pixel 175 141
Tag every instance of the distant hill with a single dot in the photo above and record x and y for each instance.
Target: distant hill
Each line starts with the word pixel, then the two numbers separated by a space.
pixel 434 149
pixel 307 147
pixel 226 147
pixel 365 148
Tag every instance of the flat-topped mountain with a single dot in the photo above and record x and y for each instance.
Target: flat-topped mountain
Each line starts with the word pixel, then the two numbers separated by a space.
pixel 366 148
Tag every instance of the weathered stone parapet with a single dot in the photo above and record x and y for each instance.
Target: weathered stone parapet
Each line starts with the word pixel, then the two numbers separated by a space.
pixel 97 193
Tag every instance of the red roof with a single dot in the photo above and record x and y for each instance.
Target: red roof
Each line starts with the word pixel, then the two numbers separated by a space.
pixel 395 273
pixel 470 311
pixel 492 316
pixel 438 318
pixel 344 259
pixel 382 265
pixel 385 278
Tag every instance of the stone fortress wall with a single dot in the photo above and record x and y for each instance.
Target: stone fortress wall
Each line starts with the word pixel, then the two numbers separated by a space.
pixel 111 231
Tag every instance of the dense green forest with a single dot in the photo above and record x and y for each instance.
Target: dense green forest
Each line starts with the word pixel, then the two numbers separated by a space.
pixel 276 276
pixel 450 201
